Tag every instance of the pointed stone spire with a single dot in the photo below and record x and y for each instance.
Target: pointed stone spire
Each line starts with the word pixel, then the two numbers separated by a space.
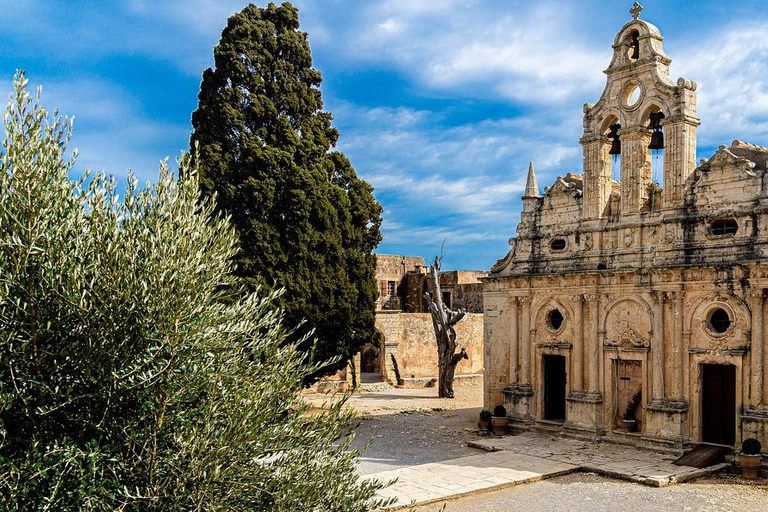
pixel 531 187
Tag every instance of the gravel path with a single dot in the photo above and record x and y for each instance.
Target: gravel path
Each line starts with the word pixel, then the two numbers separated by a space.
pixel 411 438
pixel 590 492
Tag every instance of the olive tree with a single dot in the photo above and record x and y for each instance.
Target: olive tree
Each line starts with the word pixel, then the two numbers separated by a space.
pixel 134 374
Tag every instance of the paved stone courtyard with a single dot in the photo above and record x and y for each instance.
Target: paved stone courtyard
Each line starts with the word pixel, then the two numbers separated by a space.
pixel 433 448
pixel 617 461
pixel 528 458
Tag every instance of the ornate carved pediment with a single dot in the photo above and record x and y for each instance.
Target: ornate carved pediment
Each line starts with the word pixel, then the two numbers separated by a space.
pixel 724 158
pixel 627 337
pixel 569 184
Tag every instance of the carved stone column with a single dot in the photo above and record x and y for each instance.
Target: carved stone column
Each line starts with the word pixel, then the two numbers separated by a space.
pixel 593 349
pixel 677 337
pixel 635 169
pixel 680 153
pixel 657 346
pixel 757 299
pixel 597 175
pixel 577 357
pixel 514 341
pixel 525 340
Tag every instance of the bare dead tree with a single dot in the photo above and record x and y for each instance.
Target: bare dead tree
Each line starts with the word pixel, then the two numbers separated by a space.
pixel 444 320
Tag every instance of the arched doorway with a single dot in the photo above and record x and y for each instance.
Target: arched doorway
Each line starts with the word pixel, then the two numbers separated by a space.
pixel 370 360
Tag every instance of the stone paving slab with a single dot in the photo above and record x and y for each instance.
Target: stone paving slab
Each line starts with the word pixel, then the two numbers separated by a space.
pixel 436 481
pixel 617 461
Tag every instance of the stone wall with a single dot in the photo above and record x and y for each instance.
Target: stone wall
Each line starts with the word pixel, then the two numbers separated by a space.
pixel 410 337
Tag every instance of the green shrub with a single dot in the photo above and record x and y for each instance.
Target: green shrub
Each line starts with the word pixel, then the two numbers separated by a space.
pixel 500 411
pixel 133 374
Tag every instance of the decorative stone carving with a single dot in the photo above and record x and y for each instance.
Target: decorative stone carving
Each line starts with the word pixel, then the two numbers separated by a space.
pixel 671 234
pixel 627 337
pixel 588 241
pixel 629 237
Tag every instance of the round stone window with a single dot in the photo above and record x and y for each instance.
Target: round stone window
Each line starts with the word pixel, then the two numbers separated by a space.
pixel 719 321
pixel 555 319
pixel 633 95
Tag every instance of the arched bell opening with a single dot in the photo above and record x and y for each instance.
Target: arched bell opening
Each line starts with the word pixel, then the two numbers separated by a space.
pixel 612 148
pixel 632 42
pixel 654 144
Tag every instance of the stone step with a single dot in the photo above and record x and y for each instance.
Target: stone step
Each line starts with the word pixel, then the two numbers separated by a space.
pixel 554 429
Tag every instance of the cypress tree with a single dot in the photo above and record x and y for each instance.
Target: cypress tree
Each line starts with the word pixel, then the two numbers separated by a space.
pixel 306 222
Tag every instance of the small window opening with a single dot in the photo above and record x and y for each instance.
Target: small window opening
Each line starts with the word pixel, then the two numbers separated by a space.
pixel 391 288
pixel 634 46
pixel 558 244
pixel 724 227
pixel 555 319
pixel 719 321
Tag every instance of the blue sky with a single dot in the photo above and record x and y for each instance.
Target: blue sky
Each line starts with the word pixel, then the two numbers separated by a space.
pixel 440 104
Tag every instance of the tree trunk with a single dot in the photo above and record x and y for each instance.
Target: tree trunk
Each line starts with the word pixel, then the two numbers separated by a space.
pixel 443 319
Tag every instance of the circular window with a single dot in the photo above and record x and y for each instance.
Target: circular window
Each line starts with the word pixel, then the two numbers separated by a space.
pixel 555 319
pixel 633 95
pixel 719 321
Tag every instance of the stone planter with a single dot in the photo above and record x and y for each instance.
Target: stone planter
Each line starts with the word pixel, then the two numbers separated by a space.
pixel 750 465
pixel 499 425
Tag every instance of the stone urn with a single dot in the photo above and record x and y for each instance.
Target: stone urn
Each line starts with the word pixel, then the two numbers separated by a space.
pixel 499 421
pixel 499 426
pixel 750 465
pixel 750 458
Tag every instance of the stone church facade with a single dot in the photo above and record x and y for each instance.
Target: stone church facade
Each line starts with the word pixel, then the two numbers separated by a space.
pixel 631 309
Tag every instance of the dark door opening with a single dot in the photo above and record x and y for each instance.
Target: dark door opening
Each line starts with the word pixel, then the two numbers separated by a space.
pixel 554 388
pixel 718 404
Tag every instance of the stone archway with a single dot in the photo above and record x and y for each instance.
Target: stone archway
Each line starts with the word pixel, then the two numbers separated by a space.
pixel 371 360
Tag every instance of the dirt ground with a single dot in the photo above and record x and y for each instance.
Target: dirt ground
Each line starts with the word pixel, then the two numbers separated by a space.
pixel 406 427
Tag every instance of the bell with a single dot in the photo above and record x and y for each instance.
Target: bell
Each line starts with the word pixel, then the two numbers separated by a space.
pixel 635 47
pixel 657 140
pixel 615 147
pixel 654 120
pixel 613 134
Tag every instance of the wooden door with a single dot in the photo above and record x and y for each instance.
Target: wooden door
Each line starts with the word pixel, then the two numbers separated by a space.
pixel 718 404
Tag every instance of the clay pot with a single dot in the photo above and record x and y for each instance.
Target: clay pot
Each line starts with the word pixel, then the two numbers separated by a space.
pixel 499 425
pixel 484 425
pixel 750 465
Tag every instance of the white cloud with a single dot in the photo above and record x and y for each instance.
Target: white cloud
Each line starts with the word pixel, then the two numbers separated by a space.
pixel 483 51
pixel 728 66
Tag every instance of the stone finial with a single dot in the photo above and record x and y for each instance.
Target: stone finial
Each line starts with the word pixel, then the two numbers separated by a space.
pixel 635 10
pixel 531 187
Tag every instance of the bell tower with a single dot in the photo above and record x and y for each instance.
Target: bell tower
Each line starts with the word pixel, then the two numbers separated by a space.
pixel 640 107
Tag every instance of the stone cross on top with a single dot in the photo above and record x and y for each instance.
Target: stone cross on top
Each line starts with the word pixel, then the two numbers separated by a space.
pixel 635 10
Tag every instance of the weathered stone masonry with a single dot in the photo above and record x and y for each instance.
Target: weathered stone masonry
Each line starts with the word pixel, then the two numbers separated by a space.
pixel 628 312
